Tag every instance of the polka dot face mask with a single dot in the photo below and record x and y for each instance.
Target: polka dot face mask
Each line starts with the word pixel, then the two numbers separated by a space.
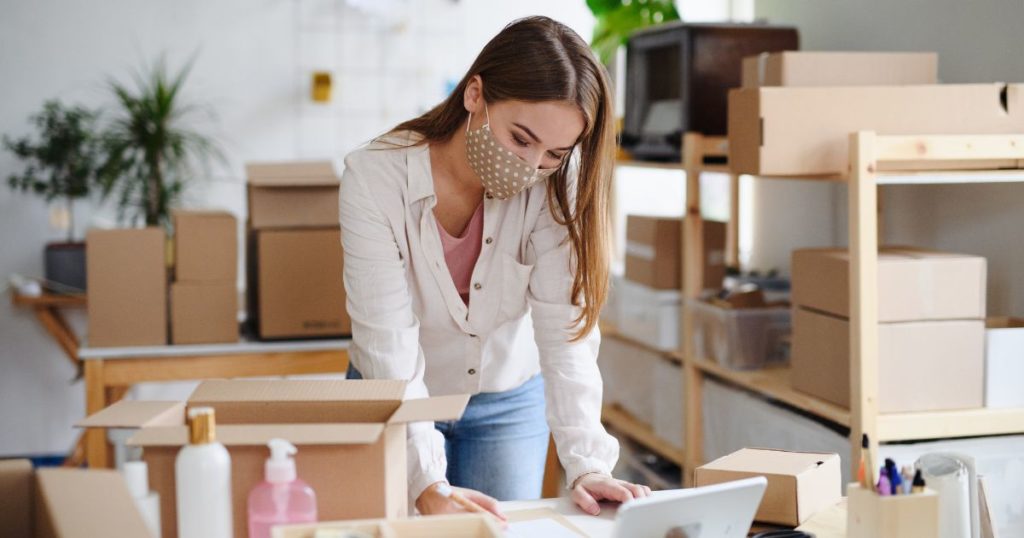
pixel 502 173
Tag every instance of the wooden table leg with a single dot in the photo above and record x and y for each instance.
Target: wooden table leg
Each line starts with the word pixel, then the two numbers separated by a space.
pixel 552 473
pixel 96 452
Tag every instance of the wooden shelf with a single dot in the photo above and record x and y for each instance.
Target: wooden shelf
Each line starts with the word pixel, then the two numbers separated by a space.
pixel 947 424
pixel 609 330
pixel 658 165
pixel 625 423
pixel 774 383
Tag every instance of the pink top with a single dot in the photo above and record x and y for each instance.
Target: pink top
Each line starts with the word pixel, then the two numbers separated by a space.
pixel 460 253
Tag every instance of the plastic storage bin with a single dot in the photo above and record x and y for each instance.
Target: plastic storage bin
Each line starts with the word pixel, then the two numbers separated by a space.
pixel 741 339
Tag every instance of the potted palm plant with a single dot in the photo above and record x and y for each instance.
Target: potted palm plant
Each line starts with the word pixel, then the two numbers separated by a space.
pixel 60 164
pixel 617 19
pixel 150 152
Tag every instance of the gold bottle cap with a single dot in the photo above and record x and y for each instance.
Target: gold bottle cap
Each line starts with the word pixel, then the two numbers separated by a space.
pixel 202 426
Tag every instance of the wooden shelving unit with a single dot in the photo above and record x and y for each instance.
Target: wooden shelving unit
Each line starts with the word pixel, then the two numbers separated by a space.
pixel 625 423
pixel 875 160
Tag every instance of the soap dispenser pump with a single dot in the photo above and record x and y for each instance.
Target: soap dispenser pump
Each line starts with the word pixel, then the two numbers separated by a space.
pixel 282 497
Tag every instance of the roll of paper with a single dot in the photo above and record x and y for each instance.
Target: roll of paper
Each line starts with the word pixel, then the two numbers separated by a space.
pixel 949 478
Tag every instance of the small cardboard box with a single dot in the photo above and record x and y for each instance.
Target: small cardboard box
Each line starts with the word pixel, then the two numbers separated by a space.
pixel 870 515
pixel 1004 362
pixel 799 483
pixel 204 312
pixel 205 246
pixel 296 285
pixel 447 526
pixel 819 68
pixel 653 256
pixel 922 365
pixel 806 131
pixel 350 434
pixel 127 274
pixel 63 503
pixel 913 284
pixel 292 194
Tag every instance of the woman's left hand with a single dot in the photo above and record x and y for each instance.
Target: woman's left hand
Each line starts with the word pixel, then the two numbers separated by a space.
pixel 592 488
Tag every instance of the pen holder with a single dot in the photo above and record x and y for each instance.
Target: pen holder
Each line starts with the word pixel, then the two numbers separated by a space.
pixel 902 516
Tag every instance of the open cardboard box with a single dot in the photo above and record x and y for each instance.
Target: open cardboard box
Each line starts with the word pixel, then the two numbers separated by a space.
pixel 451 526
pixel 350 434
pixel 63 503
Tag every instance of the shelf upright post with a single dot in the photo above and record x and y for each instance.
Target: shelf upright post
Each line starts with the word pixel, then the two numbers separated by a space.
pixel 692 279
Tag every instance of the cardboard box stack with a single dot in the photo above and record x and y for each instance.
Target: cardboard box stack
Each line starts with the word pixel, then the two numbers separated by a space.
pixel 204 296
pixel 649 298
pixel 931 334
pixel 350 434
pixel 801 126
pixel 127 280
pixel 64 503
pixel 799 483
pixel 294 256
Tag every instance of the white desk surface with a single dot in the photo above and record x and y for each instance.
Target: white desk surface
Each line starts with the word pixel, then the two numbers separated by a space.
pixel 829 523
pixel 237 348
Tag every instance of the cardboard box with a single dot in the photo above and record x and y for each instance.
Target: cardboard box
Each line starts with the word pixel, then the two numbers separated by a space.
pixel 913 284
pixel 127 274
pixel 63 503
pixel 653 256
pixel 870 515
pixel 649 315
pixel 296 284
pixel 799 483
pixel 350 434
pixel 447 526
pixel 806 131
pixel 204 312
pixel 1004 362
pixel 922 365
pixel 205 246
pixel 292 194
pixel 818 68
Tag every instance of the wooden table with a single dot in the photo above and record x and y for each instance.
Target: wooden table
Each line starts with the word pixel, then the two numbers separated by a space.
pixel 109 372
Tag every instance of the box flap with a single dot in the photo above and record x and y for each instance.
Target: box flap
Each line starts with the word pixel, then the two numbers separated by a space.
pixel 86 504
pixel 318 390
pixel 259 434
pixel 292 174
pixel 17 491
pixel 448 407
pixel 136 414
pixel 770 461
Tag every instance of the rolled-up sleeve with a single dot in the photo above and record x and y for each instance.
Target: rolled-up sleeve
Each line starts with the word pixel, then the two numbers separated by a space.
pixel 385 331
pixel 572 380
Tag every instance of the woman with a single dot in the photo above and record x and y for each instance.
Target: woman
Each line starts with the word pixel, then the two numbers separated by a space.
pixel 476 261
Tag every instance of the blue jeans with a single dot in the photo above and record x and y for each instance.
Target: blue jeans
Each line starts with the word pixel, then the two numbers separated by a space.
pixel 500 444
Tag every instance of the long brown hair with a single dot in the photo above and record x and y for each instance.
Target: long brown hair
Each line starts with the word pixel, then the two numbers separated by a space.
pixel 539 59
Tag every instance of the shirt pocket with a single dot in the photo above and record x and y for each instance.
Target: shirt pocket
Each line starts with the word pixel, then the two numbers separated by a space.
pixel 515 282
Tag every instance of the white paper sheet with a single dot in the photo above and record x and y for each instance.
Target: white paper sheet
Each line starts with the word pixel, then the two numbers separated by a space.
pixel 534 528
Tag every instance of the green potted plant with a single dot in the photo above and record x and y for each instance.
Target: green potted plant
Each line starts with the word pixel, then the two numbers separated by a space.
pixel 60 163
pixel 617 19
pixel 150 153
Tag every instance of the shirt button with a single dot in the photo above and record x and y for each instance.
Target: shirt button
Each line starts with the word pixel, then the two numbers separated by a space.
pixel 472 371
pixel 490 196
pixel 472 336
pixel 489 240
pixel 477 286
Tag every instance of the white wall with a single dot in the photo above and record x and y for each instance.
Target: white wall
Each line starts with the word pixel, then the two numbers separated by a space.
pixel 976 42
pixel 254 61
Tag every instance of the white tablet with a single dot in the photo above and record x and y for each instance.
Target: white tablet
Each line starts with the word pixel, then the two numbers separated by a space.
pixel 718 511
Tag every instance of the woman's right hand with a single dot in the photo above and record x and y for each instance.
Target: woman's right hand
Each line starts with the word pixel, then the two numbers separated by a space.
pixel 432 502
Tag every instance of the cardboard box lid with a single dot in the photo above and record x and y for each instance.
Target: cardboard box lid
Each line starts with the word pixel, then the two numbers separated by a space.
pixel 136 414
pixel 73 508
pixel 202 214
pixel 770 461
pixel 363 400
pixel 292 174
pixel 839 68
pixel 260 434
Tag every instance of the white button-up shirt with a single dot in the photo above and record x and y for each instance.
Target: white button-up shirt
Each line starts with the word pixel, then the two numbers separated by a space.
pixel 409 322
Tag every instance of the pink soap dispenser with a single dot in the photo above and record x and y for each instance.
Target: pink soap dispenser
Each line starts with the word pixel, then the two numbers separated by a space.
pixel 281 498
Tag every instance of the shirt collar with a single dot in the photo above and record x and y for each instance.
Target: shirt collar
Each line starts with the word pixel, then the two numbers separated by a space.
pixel 421 181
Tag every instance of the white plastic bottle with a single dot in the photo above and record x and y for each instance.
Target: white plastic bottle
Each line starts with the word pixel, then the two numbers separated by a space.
pixel 136 475
pixel 282 497
pixel 202 475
